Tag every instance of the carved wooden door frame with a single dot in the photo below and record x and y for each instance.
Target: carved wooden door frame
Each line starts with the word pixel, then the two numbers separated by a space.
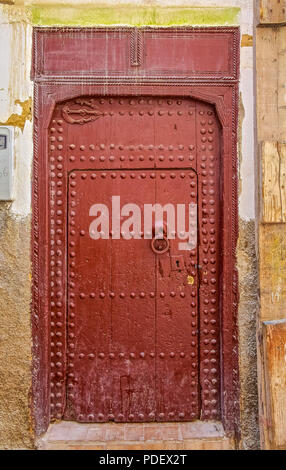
pixel 222 92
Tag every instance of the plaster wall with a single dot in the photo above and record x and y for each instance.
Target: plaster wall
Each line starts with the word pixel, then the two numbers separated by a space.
pixel 16 21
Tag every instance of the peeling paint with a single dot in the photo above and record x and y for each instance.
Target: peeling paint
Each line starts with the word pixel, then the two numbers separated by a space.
pixel 133 16
pixel 15 229
pixel 19 120
pixel 16 13
pixel 246 40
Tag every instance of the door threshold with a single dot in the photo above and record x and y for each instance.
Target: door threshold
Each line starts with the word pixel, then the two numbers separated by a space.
pixel 196 435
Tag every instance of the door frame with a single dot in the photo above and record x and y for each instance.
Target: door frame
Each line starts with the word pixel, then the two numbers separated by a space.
pixel 223 94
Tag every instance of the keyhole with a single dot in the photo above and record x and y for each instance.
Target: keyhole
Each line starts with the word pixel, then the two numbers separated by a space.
pixel 178 263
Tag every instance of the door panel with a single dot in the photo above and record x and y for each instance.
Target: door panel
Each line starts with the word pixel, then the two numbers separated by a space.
pixel 142 328
pixel 132 331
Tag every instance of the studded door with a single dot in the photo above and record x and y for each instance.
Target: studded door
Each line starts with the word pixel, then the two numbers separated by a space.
pixel 143 318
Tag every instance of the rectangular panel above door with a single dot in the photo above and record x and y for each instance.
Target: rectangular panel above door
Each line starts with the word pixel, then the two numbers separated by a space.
pixel 161 52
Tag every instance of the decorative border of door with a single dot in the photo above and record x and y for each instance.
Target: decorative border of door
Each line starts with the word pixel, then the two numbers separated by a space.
pixel 219 88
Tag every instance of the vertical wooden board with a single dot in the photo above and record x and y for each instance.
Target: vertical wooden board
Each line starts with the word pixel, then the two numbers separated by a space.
pixel 273 156
pixel 271 80
pixel 271 196
pixel 282 83
pixel 272 246
pixel 274 339
pixel 272 11
pixel 282 154
pixel 267 77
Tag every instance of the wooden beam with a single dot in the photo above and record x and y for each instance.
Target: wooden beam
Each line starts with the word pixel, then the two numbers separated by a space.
pixel 282 154
pixel 271 134
pixel 273 157
pixel 281 76
pixel 272 11
pixel 271 83
pixel 267 79
pixel 272 271
pixel 274 372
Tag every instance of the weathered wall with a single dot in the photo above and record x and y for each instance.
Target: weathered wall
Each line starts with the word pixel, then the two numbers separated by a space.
pixel 15 343
pixel 247 243
pixel 15 94
pixel 248 310
pixel 15 284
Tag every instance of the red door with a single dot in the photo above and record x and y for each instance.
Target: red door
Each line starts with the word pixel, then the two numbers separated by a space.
pixel 143 319
pixel 137 329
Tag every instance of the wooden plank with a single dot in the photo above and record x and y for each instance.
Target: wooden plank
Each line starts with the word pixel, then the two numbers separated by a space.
pixel 281 42
pixel 271 194
pixel 272 272
pixel 274 349
pixel 271 133
pixel 267 79
pixel 282 155
pixel 271 83
pixel 272 11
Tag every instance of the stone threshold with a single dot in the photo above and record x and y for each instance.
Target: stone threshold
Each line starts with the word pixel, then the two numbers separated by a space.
pixel 197 435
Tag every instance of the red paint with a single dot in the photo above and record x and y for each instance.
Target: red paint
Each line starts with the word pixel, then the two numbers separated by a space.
pixel 99 372
pixel 135 340
pixel 198 53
